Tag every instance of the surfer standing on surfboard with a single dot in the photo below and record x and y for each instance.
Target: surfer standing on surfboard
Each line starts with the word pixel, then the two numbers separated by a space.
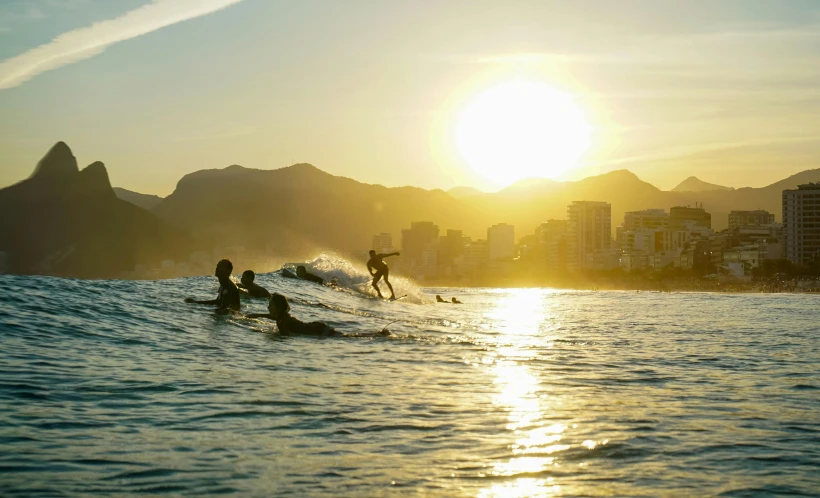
pixel 376 262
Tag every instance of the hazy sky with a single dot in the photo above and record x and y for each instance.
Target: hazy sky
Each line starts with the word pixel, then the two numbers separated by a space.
pixel 728 91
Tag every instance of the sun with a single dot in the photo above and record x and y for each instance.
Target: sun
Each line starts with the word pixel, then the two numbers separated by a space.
pixel 522 129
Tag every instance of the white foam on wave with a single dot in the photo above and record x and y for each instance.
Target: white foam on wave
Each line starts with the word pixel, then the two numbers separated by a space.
pixel 354 278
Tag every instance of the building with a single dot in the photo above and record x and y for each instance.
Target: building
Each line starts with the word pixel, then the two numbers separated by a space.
pixel 552 240
pixel 589 230
pixel 501 241
pixel 755 218
pixel 451 246
pixel 648 218
pixel 638 220
pixel 383 243
pixel 415 240
pixel 801 223
pixel 679 215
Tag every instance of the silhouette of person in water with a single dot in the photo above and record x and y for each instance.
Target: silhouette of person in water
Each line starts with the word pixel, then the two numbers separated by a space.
pixel 439 299
pixel 279 311
pixel 456 301
pixel 227 298
pixel 302 273
pixel 251 288
pixel 376 262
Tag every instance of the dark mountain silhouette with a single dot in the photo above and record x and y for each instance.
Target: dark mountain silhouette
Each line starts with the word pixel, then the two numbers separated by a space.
pixel 145 201
pixel 63 221
pixel 693 184
pixel 301 208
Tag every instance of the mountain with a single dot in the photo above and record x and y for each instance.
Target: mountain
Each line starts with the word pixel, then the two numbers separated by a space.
pixel 67 222
pixel 462 192
pixel 693 184
pixel 300 208
pixel 526 205
pixel 145 201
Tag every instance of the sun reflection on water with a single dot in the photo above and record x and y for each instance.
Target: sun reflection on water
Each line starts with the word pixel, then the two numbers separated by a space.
pixel 521 319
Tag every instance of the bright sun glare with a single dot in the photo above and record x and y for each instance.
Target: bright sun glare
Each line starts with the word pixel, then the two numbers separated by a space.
pixel 522 129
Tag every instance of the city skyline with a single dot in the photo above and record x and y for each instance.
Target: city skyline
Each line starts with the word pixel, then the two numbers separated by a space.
pixel 724 92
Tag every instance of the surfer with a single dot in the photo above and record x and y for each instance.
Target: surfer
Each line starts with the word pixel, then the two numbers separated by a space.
pixel 227 298
pixel 376 262
pixel 279 311
pixel 302 273
pixel 439 299
pixel 456 301
pixel 250 288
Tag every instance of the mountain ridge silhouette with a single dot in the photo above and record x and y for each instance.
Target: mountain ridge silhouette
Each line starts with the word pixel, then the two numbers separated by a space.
pixel 295 210
pixel 68 222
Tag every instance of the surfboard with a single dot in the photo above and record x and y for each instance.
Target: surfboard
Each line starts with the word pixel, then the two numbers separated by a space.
pixel 397 299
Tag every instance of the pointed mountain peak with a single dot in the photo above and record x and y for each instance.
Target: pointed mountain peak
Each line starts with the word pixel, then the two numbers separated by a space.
pixel 95 179
pixel 621 173
pixel 694 184
pixel 58 161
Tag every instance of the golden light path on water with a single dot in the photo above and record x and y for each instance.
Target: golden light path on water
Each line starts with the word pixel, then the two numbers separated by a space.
pixel 524 322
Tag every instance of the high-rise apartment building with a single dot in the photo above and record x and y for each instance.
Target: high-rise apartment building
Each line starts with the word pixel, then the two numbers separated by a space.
pixel 551 238
pixel 415 240
pixel 589 230
pixel 501 241
pixel 383 243
pixel 801 223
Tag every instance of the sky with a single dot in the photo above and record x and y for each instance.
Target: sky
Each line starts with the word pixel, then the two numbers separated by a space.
pixel 725 90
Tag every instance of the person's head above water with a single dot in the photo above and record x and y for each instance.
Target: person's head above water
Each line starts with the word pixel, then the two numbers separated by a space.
pixel 439 299
pixel 248 276
pixel 278 305
pixel 301 271
pixel 223 269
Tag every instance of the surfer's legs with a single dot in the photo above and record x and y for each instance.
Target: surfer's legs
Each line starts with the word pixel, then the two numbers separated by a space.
pixel 376 278
pixel 387 281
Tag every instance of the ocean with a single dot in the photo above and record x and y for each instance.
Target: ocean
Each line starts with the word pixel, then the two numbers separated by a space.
pixel 120 388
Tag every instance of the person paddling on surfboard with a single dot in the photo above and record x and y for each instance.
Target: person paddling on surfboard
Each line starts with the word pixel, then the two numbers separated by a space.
pixel 227 299
pixel 279 311
pixel 250 287
pixel 377 263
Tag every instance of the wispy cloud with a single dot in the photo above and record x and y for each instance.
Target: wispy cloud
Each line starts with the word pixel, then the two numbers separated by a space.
pixel 83 43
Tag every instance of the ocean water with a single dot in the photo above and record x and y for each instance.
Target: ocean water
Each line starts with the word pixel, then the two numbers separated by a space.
pixel 119 388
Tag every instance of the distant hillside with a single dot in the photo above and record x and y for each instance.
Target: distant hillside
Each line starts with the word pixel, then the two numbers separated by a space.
pixel 145 201
pixel 301 208
pixel 63 221
pixel 462 192
pixel 67 222
pixel 693 184
pixel 529 204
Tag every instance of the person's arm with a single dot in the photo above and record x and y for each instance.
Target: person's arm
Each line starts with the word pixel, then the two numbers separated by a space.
pixel 259 315
pixel 370 269
pixel 191 300
pixel 391 254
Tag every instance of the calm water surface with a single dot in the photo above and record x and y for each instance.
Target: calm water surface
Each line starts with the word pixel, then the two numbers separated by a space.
pixel 116 387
